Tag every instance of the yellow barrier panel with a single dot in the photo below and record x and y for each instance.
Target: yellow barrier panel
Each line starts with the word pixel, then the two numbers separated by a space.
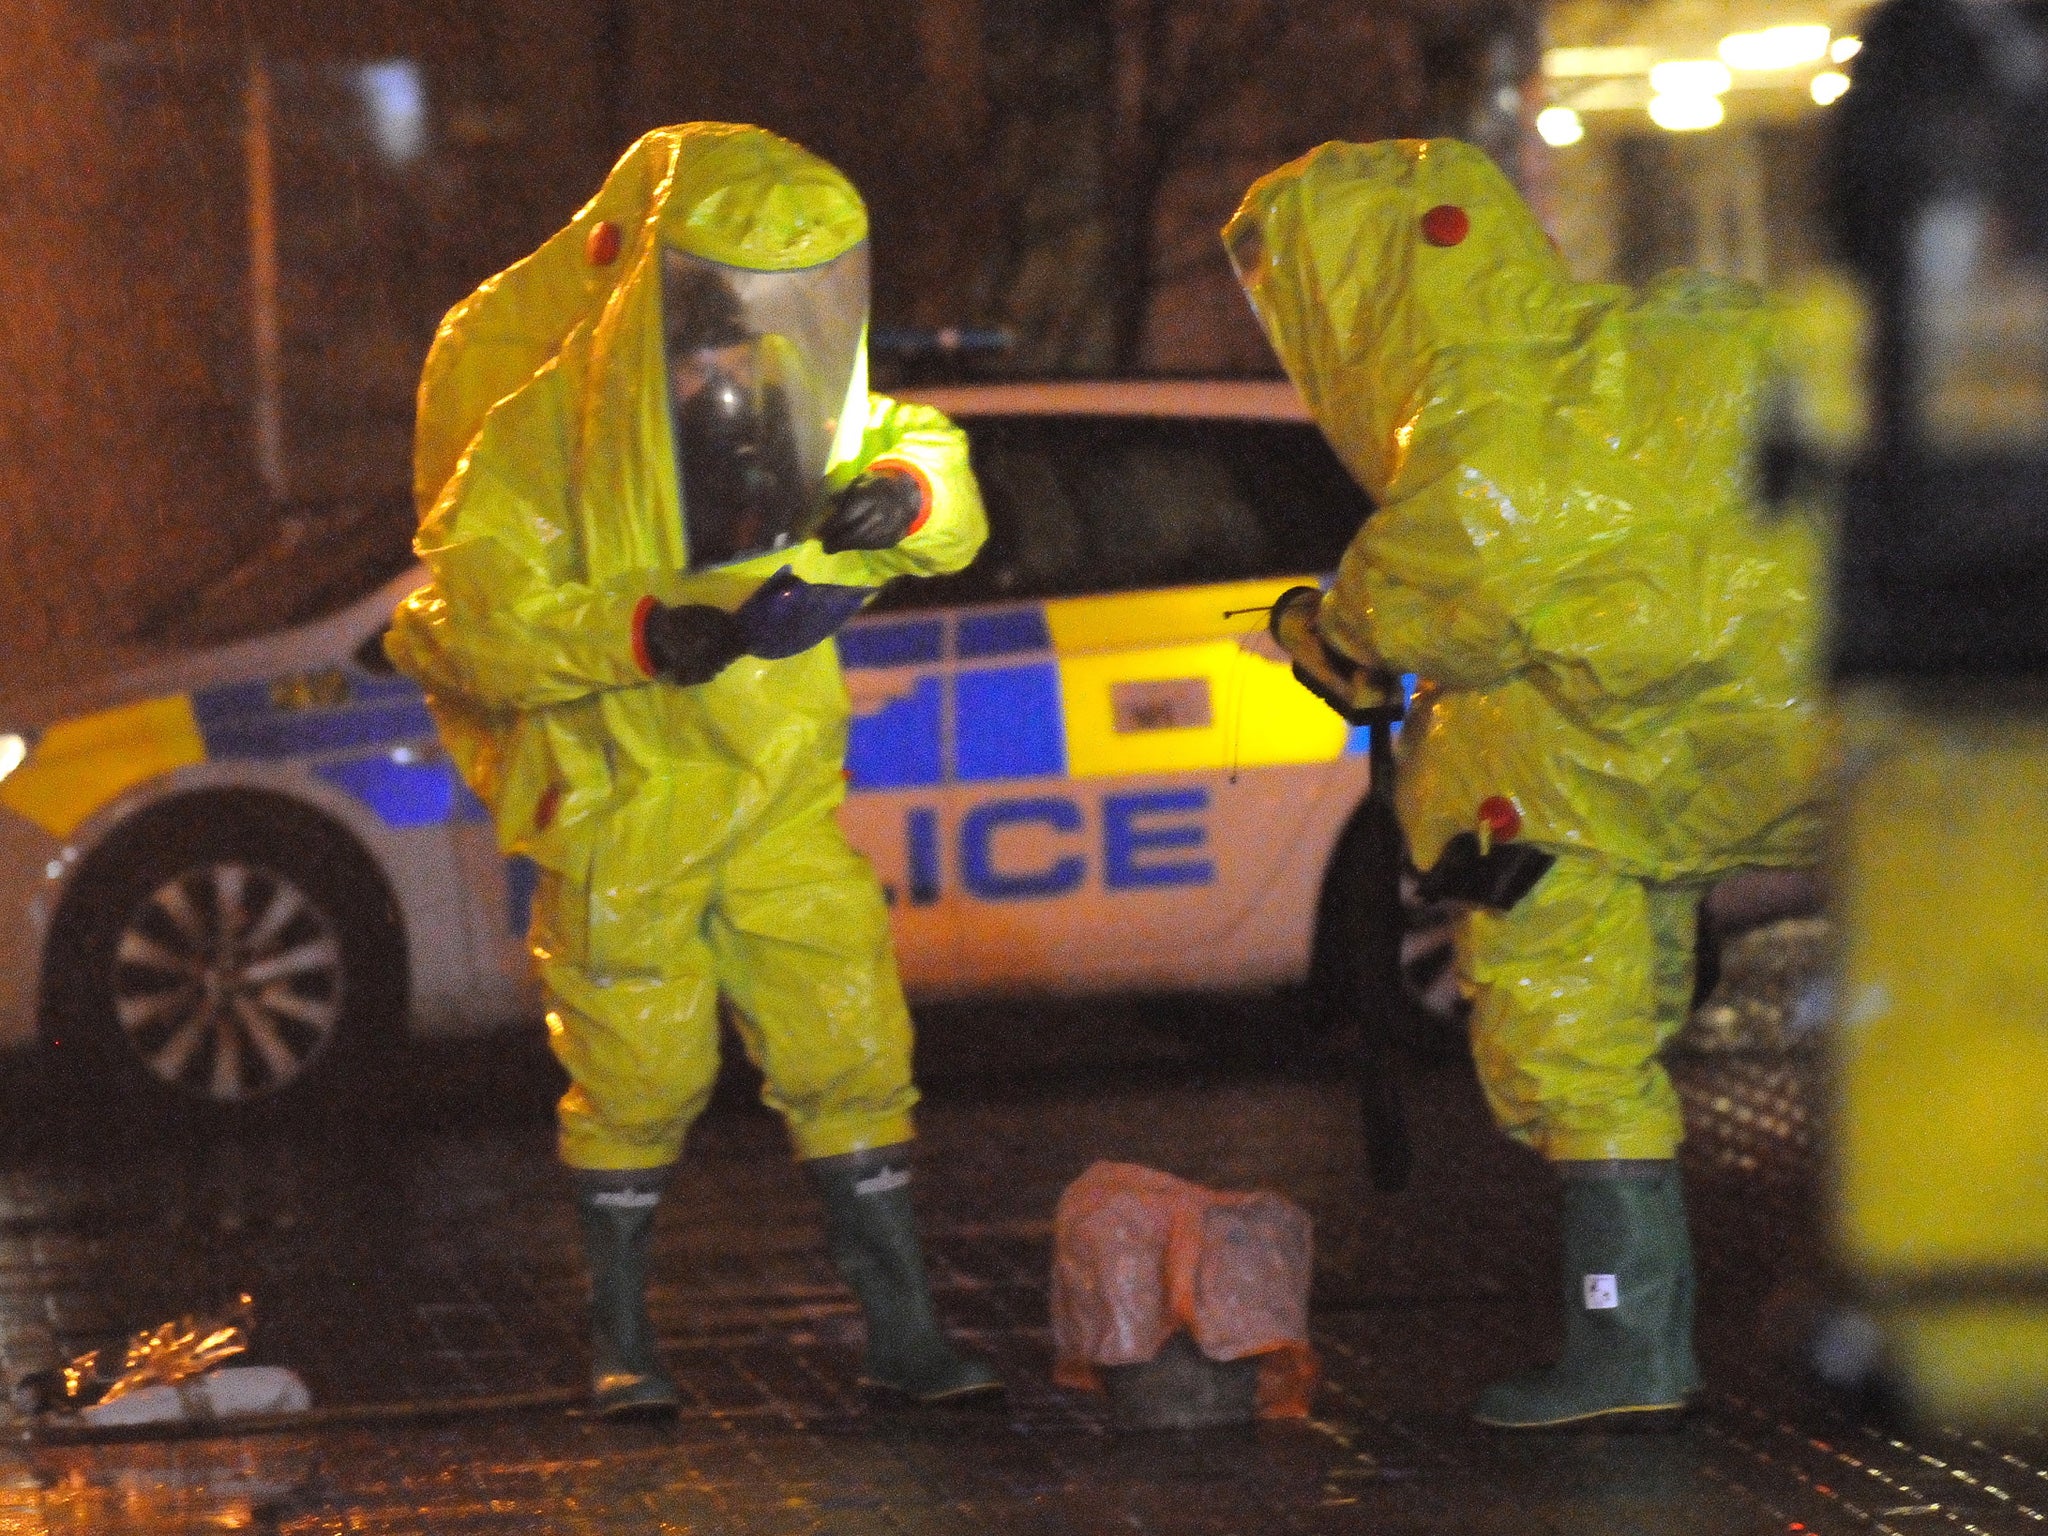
pixel 1942 1050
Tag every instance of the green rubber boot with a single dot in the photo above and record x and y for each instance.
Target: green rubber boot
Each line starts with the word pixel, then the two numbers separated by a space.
pixel 1628 1282
pixel 872 1235
pixel 616 1209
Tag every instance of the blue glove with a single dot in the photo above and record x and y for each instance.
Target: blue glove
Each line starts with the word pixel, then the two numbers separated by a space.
pixel 787 615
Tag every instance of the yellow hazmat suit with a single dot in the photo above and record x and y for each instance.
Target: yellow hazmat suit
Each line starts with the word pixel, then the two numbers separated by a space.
pixel 1613 640
pixel 686 836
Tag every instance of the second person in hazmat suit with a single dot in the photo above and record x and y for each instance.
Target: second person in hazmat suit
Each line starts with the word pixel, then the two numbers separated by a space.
pixel 652 483
pixel 1618 655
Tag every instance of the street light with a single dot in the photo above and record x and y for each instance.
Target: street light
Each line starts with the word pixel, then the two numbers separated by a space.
pixel 1690 77
pixel 1686 113
pixel 1559 126
pixel 1784 47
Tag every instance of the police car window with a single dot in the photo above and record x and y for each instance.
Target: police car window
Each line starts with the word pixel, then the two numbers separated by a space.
pixel 1085 504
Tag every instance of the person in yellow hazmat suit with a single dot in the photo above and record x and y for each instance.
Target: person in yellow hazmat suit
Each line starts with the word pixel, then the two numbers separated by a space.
pixel 652 483
pixel 1618 655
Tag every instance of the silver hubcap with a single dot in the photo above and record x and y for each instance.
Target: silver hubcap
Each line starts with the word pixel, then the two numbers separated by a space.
pixel 228 982
pixel 1427 940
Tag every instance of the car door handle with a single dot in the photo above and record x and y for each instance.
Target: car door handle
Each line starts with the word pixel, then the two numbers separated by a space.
pixel 1161 704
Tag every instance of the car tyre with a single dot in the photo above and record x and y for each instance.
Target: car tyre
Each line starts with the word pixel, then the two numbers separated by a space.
pixel 224 954
pixel 1419 1006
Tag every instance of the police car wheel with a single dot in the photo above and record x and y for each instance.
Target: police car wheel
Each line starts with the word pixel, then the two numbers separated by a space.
pixel 1429 978
pixel 1368 889
pixel 226 955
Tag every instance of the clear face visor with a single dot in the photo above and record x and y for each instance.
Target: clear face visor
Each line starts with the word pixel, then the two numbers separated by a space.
pixel 759 364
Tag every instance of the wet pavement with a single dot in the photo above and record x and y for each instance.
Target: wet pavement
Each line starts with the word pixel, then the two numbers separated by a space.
pixel 413 1257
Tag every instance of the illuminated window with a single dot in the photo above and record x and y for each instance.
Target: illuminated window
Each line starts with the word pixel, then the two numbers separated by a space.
pixel 394 95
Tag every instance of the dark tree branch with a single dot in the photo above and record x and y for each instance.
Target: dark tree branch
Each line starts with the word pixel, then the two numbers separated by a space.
pixel 1188 95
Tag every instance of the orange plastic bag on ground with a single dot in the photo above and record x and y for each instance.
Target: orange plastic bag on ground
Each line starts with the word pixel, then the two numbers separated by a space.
pixel 1139 1254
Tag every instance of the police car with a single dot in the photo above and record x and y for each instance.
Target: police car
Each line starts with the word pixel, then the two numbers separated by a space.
pixel 1078 766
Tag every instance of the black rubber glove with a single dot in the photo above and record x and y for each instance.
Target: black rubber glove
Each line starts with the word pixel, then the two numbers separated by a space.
pixel 692 642
pixel 872 513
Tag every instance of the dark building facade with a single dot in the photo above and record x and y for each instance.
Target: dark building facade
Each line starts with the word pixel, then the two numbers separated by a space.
pixel 230 229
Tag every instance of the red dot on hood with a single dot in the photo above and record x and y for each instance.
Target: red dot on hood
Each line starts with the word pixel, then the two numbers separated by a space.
pixel 1446 224
pixel 601 246
pixel 1502 817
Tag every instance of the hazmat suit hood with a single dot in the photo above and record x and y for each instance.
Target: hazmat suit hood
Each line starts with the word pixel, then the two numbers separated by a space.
pixel 1373 265
pixel 774 222
pixel 1567 548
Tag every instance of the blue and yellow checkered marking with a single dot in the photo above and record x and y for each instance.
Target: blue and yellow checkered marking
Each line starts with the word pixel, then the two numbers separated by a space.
pixel 1032 697
pixel 1009 632
pixel 404 794
pixel 88 761
pixel 900 644
pixel 1009 724
pixel 307 716
pixel 900 745
pixel 1049 707
pixel 361 733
